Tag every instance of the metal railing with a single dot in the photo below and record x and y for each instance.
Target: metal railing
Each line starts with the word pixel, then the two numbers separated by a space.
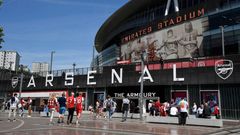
pixel 231 114
pixel 99 69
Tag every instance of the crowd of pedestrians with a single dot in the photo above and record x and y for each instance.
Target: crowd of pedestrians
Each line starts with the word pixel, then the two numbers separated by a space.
pixel 14 105
pixel 181 109
pixel 107 108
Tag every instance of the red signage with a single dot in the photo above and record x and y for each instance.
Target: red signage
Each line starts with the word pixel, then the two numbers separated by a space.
pixel 124 62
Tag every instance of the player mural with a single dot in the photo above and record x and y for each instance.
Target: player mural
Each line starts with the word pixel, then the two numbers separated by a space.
pixel 180 41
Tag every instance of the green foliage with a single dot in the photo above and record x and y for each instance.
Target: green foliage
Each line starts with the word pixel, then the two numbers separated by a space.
pixel 1 35
pixel 1 29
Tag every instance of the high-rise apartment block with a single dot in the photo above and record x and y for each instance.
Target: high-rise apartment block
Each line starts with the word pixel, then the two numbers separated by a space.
pixel 40 67
pixel 9 60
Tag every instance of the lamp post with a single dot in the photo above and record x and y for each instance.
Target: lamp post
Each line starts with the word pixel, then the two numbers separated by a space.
pixel 223 46
pixel 21 81
pixel 93 57
pixel 74 64
pixel 141 86
pixel 10 67
pixel 52 52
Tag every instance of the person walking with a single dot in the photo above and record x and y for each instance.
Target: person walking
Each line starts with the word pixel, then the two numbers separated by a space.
pixel 97 108
pixel 114 107
pixel 206 111
pixel 183 111
pixel 62 108
pixel 13 107
pixel 79 107
pixel 3 106
pixel 200 111
pixel 52 105
pixel 21 107
pixel 194 109
pixel 29 107
pixel 71 108
pixel 132 108
pixel 109 106
pixel 125 108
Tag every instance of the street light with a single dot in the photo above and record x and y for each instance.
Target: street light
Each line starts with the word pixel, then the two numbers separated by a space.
pixel 223 46
pixel 21 81
pixel 141 87
pixel 93 57
pixel 228 21
pixel 10 67
pixel 74 64
pixel 52 52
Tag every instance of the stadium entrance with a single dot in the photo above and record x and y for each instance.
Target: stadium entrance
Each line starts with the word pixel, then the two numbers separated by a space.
pixel 150 93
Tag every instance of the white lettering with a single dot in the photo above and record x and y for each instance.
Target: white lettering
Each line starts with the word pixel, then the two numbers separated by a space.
pixel 31 82
pixel 69 77
pixel 91 77
pixel 50 80
pixel 175 79
pixel 149 94
pixel 119 78
pixel 149 77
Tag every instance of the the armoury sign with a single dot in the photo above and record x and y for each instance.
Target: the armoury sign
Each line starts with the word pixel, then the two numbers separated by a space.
pixel 224 68
pixel 115 77
pixel 148 94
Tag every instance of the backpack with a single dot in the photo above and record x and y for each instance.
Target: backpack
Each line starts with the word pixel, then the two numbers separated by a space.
pixel 12 100
pixel 109 104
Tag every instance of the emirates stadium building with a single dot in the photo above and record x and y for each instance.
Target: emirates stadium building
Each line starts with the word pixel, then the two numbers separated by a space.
pixel 193 34
pixel 189 48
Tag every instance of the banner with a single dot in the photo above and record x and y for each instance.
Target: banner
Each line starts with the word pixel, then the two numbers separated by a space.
pixel 179 41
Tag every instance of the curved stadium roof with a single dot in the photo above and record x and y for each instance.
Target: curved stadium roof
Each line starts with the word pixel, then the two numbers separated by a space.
pixel 108 30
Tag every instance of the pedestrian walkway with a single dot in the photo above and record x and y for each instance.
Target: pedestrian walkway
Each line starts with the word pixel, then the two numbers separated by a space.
pixel 234 130
pixel 40 125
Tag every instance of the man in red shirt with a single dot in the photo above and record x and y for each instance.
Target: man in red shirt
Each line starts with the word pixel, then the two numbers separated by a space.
pixel 79 107
pixel 157 107
pixel 216 111
pixel 71 108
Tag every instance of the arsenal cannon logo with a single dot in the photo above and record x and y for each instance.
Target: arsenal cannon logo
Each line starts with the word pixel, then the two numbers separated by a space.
pixel 14 82
pixel 224 68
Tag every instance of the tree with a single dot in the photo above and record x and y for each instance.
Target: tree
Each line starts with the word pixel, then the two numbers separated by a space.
pixel 1 35
pixel 1 31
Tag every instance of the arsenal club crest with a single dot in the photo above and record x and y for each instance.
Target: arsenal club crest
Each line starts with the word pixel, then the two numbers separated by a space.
pixel 224 68
pixel 14 82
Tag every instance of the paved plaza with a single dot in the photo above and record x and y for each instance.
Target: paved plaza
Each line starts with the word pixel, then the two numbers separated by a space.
pixel 40 126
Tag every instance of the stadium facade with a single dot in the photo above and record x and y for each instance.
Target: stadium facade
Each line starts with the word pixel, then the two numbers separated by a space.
pixel 198 41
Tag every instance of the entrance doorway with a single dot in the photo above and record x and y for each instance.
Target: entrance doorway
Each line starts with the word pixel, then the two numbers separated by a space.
pixel 178 95
pixel 99 96
pixel 211 97
pixel 134 103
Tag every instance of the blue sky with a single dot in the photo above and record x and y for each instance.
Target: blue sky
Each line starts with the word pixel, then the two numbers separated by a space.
pixel 34 28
